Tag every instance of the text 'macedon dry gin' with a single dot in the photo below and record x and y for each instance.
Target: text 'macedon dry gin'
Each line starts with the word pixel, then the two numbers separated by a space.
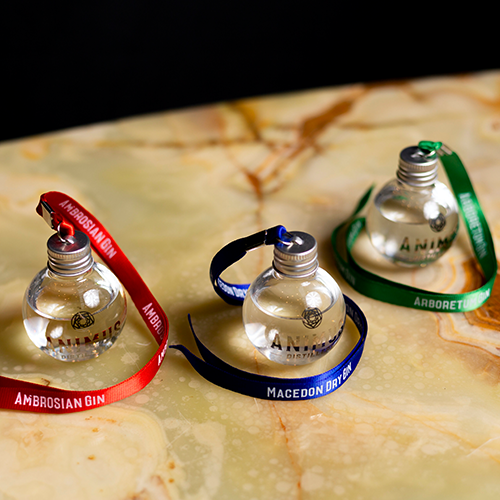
pixel 413 219
pixel 75 308
pixel 294 312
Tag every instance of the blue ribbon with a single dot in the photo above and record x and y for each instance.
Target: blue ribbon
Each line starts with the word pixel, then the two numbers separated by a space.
pixel 233 252
pixel 224 375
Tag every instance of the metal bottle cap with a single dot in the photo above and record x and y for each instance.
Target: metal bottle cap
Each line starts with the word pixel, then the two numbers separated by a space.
pixel 70 257
pixel 416 167
pixel 296 254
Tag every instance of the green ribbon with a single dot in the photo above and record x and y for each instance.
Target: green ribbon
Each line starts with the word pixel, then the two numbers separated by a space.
pixel 376 287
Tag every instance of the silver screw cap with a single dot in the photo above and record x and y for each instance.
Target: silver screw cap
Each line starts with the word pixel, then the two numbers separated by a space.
pixel 296 255
pixel 416 167
pixel 69 257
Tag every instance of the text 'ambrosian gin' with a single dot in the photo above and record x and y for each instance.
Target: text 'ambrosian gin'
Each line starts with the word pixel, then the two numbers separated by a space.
pixel 413 219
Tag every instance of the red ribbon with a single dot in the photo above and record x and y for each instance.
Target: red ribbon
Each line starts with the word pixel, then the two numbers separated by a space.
pixel 28 396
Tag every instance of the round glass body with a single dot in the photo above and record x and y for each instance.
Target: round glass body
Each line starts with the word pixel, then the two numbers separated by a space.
pixel 75 318
pixel 294 320
pixel 412 226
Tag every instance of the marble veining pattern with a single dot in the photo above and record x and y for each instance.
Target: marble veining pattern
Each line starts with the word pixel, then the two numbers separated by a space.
pixel 418 419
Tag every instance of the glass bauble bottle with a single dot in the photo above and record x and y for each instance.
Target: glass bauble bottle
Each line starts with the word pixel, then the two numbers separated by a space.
pixel 75 308
pixel 413 219
pixel 294 312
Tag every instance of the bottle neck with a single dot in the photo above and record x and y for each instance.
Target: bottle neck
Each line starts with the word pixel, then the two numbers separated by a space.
pixel 295 269
pixel 282 275
pixel 68 277
pixel 413 187
pixel 417 179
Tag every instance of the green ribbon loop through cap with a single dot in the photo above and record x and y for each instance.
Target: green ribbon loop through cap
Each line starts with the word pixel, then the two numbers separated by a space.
pixel 431 147
pixel 377 287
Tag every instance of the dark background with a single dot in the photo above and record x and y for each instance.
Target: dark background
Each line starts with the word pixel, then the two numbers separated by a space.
pixel 77 63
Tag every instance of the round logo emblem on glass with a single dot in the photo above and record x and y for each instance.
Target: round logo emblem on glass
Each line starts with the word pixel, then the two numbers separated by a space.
pixel 312 317
pixel 437 224
pixel 81 320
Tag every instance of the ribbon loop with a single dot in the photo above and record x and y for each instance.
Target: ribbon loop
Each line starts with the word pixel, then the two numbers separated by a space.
pixel 65 212
pixel 431 147
pixel 377 287
pixel 54 219
pixel 220 373
pixel 232 253
pixel 224 375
